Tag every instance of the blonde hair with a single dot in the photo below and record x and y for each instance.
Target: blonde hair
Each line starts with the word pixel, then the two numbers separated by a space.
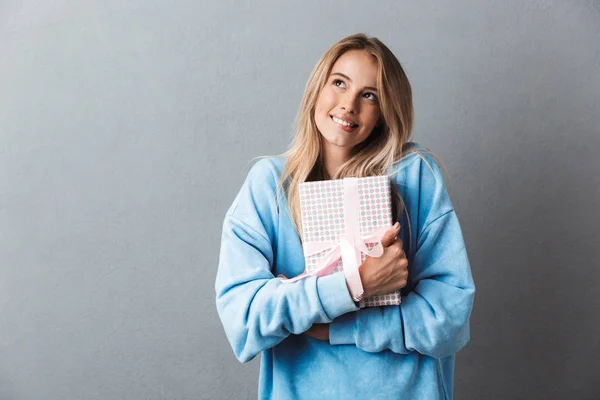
pixel 386 145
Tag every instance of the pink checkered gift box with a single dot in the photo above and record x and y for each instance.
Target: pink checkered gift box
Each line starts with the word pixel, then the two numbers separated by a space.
pixel 331 211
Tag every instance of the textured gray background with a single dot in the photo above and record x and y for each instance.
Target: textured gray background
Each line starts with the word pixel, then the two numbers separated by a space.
pixel 126 128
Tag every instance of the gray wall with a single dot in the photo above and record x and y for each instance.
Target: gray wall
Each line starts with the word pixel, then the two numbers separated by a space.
pixel 126 128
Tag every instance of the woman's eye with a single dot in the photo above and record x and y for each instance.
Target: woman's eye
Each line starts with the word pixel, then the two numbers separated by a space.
pixel 337 82
pixel 373 97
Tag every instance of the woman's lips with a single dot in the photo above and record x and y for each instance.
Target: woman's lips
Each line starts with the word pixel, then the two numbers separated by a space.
pixel 343 127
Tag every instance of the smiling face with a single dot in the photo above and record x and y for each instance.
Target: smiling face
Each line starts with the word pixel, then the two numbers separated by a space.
pixel 347 107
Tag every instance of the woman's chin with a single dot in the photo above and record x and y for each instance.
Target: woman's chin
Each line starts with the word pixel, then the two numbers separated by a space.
pixel 337 140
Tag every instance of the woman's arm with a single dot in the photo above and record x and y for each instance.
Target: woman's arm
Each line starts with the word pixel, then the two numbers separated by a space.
pixel 256 309
pixel 434 318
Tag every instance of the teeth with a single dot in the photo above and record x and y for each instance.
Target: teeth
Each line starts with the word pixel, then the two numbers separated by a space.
pixel 340 122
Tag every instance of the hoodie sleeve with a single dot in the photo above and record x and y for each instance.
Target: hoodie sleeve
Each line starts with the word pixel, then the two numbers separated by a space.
pixel 256 309
pixel 433 319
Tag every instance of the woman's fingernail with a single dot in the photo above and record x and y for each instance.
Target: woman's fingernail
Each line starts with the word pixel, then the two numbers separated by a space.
pixel 396 225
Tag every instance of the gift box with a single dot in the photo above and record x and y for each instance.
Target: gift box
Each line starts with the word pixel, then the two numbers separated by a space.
pixel 343 221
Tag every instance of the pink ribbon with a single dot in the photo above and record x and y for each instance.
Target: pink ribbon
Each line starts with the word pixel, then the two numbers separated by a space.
pixel 349 247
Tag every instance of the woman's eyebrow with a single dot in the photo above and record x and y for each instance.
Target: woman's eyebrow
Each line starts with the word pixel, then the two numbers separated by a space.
pixel 350 80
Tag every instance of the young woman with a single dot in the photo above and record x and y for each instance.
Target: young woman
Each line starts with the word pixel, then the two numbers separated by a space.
pixel 355 120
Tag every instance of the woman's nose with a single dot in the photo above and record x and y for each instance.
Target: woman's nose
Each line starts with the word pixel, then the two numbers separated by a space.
pixel 349 103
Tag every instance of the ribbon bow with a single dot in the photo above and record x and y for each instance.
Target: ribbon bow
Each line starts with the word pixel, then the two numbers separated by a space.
pixel 348 247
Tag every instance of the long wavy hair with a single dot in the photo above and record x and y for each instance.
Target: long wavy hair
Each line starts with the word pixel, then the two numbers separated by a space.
pixel 387 144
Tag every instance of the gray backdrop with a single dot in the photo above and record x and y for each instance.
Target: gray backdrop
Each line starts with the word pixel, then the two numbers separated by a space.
pixel 126 130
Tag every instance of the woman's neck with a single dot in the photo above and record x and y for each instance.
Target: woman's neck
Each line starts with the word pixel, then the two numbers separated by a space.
pixel 332 160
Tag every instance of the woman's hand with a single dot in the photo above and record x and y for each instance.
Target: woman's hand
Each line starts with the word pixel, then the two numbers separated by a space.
pixel 285 277
pixel 379 275
pixel 319 331
pixel 389 272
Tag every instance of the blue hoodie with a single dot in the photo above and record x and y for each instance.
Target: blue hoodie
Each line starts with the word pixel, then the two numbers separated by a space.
pixel 388 352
